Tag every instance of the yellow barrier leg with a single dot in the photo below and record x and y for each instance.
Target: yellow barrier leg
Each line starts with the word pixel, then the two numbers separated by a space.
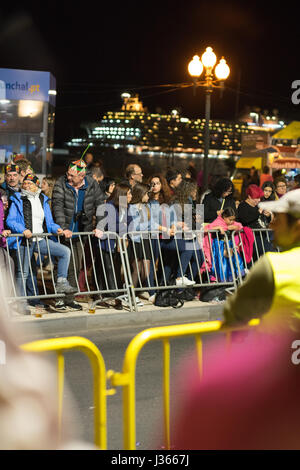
pixel 166 391
pixel 60 385
pixel 199 350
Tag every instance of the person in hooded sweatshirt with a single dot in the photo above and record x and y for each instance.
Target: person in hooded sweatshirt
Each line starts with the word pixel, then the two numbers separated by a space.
pixel 30 214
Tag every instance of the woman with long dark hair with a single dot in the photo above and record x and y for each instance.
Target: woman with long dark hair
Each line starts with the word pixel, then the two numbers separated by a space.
pixel 112 217
pixel 269 192
pixel 139 245
pixel 218 199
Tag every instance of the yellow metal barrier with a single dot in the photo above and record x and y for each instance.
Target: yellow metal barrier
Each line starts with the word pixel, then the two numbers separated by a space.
pixel 60 345
pixel 126 379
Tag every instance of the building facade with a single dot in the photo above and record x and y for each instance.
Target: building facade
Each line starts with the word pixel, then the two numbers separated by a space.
pixel 27 113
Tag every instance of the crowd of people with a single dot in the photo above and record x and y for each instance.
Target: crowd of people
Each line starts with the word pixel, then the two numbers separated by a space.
pixel 85 200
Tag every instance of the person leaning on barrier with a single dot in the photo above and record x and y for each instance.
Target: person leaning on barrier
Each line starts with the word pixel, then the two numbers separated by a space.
pixel 6 262
pixel 250 215
pixel 159 199
pixel 139 249
pixel 112 217
pixel 272 288
pixel 220 197
pixel 75 199
pixel 30 213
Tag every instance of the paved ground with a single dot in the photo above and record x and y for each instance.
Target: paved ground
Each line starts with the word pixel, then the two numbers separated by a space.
pixel 108 317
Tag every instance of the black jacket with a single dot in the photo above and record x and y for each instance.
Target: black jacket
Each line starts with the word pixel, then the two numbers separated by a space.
pixel 64 203
pixel 212 204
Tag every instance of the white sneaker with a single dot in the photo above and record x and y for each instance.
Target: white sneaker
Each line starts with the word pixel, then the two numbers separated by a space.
pixel 184 281
pixel 139 302
pixel 124 299
pixel 152 298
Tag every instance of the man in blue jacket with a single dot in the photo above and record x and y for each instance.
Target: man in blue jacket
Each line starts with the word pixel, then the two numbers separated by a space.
pixel 30 214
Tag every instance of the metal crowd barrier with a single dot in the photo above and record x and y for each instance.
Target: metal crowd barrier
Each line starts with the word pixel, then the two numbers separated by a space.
pixel 61 345
pixel 154 260
pixel 127 378
pixel 141 261
pixel 96 270
pixel 263 242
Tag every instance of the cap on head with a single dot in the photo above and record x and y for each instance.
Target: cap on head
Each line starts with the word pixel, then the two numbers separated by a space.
pixel 11 168
pixel 287 204
pixel 33 178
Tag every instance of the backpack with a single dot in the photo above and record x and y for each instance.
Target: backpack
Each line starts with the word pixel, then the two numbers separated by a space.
pixel 187 294
pixel 168 298
pixel 213 294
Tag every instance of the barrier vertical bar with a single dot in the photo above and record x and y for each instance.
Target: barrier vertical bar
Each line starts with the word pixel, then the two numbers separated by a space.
pixel 60 388
pixel 166 391
pixel 199 350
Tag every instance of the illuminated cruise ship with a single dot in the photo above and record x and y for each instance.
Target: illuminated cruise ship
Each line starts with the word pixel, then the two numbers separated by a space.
pixel 137 130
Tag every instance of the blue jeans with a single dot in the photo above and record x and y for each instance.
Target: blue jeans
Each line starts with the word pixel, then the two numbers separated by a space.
pixel 172 257
pixel 24 254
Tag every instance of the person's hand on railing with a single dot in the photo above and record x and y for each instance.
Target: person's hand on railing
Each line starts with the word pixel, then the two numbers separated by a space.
pixel 267 214
pixel 98 233
pixel 172 231
pixel 5 233
pixel 27 233
pixel 220 229
pixel 60 231
pixel 67 233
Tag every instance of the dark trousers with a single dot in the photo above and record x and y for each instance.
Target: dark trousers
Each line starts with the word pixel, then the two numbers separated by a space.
pixel 108 269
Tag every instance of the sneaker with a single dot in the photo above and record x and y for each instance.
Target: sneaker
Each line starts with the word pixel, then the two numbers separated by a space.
pixel 152 298
pixel 139 302
pixel 63 287
pixel 73 305
pixel 60 306
pixel 124 299
pixel 184 281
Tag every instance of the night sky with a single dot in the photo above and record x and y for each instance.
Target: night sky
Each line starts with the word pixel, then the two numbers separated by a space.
pixel 98 52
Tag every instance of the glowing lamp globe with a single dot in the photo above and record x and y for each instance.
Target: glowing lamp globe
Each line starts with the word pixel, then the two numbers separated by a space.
pixel 209 58
pixel 195 67
pixel 222 70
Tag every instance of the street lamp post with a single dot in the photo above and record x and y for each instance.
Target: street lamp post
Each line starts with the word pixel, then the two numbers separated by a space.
pixel 221 72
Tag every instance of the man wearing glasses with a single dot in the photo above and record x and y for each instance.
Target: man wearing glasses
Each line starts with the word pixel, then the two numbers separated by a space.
pixel 133 174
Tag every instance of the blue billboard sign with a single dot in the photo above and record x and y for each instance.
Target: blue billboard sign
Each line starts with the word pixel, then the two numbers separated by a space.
pixel 27 85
